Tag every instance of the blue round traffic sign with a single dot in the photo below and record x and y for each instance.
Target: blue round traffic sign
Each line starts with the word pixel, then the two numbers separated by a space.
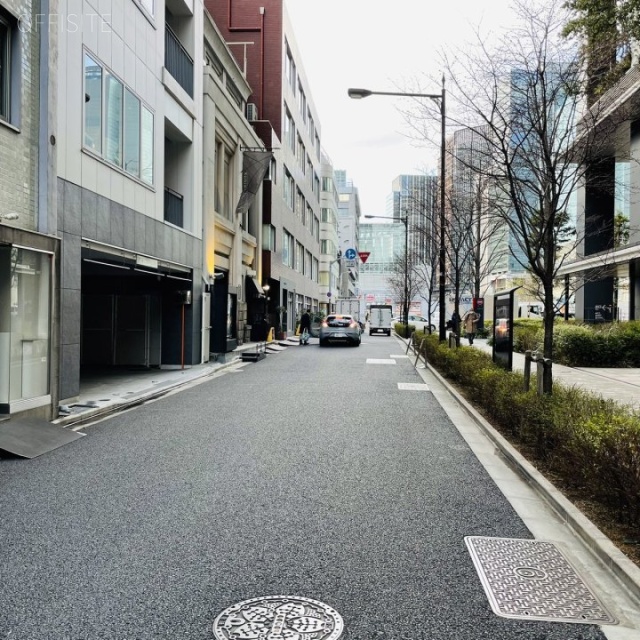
pixel 350 254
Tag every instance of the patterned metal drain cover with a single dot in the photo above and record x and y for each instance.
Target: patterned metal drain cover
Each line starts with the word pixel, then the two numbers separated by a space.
pixel 278 618
pixel 532 580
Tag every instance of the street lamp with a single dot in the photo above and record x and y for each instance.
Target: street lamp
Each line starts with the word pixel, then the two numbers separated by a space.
pixel 405 300
pixel 439 98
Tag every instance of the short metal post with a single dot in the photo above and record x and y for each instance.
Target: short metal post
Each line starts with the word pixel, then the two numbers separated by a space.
pixel 527 369
pixel 540 375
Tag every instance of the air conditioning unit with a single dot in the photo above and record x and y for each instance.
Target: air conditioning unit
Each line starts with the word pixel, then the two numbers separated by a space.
pixel 252 111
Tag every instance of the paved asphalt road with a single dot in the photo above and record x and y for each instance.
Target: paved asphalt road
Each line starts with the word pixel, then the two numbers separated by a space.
pixel 309 473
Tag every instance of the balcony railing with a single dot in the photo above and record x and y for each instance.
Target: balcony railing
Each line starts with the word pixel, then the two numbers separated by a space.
pixel 177 61
pixel 173 207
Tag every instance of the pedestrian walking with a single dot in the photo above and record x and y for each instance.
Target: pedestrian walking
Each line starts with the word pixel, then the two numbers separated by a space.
pixel 305 327
pixel 470 323
pixel 454 323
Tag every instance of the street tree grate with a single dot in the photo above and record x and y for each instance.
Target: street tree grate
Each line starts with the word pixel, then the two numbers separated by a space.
pixel 532 580
pixel 278 617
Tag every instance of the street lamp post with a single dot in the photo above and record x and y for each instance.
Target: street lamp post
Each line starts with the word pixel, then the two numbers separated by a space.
pixel 439 98
pixel 405 300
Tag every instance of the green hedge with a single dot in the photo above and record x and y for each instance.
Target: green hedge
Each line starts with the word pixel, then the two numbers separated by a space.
pixel 583 345
pixel 592 443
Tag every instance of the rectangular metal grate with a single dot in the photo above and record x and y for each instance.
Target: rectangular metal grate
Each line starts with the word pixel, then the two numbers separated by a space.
pixel 533 580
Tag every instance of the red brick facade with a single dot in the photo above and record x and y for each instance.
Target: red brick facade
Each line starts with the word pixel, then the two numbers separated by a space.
pixel 242 21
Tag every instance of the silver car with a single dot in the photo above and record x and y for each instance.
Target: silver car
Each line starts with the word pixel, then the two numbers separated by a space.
pixel 339 327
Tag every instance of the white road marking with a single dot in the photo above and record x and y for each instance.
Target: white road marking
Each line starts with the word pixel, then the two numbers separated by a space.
pixel 412 386
pixel 379 361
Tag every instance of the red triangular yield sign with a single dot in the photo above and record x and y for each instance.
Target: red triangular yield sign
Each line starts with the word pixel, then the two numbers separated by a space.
pixel 364 255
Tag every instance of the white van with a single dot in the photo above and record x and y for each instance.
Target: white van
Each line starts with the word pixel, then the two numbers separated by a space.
pixel 380 318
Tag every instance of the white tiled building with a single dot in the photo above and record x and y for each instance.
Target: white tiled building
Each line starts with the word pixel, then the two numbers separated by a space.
pixel 129 184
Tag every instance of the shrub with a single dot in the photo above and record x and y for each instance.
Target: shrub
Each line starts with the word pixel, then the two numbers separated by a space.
pixel 589 442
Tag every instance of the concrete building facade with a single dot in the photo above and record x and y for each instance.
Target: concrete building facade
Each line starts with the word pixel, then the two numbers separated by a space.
pixel 283 114
pixel 29 248
pixel 129 185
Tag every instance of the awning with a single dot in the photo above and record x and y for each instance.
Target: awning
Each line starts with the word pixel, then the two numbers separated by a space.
pixel 256 285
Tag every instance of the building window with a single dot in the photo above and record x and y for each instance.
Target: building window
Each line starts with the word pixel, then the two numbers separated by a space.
pixel 300 205
pixel 302 103
pixel 327 185
pixel 113 120
pixel 289 130
pixel 290 70
pixel 117 126
pixel 146 146
pixel 148 6
pixel 289 190
pixel 287 248
pixel 7 33
pixel 269 237
pixel 92 104
pixel 223 181
pixel 299 266
pixel 132 123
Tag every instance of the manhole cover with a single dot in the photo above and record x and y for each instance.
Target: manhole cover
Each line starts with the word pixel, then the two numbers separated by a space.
pixel 278 618
pixel 532 580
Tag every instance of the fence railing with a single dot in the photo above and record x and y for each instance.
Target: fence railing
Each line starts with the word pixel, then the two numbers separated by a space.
pixel 177 61
pixel 173 207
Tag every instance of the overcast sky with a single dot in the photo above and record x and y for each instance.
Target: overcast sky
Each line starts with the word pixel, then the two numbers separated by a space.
pixel 353 43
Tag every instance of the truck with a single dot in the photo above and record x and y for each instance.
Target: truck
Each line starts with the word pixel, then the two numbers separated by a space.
pixel 380 318
pixel 349 306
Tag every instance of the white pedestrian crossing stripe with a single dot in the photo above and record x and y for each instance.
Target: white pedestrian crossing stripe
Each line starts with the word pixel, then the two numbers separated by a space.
pixel 412 386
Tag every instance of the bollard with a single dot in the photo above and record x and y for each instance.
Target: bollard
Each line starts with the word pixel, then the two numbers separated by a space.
pixel 540 375
pixel 527 369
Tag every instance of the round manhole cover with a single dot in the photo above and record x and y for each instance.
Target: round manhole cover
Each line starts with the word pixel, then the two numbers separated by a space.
pixel 278 618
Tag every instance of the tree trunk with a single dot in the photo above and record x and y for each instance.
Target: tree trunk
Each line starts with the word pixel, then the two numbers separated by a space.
pixel 547 380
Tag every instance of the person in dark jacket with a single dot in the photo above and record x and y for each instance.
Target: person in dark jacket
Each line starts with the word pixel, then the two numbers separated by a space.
pixel 305 327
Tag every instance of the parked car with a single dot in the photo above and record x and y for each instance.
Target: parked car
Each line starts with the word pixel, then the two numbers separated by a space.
pixel 419 322
pixel 338 327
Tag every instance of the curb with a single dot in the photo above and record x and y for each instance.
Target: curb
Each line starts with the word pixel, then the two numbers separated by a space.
pixel 626 572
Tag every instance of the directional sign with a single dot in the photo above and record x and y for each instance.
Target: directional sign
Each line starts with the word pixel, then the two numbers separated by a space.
pixel 350 254
pixel 364 255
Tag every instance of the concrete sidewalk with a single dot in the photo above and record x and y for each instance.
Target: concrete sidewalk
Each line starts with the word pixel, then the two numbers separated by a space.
pixel 105 391
pixel 621 385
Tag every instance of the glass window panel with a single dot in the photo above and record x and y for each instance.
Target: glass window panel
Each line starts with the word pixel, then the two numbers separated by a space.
pixel 113 120
pixel 146 146
pixel 30 294
pixel 148 5
pixel 5 62
pixel 131 133
pixel 92 104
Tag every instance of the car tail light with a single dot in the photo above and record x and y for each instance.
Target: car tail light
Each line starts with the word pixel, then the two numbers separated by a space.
pixel 324 323
pixel 353 324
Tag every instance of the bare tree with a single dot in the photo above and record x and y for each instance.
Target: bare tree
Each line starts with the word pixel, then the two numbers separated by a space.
pixel 523 97
pixel 403 280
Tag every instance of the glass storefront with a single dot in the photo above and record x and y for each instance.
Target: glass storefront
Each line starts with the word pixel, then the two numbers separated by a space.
pixel 25 302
